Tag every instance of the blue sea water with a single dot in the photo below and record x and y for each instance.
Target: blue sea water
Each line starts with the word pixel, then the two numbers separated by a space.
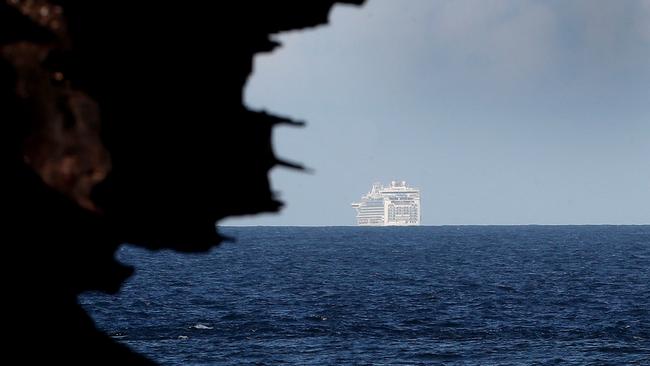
pixel 453 295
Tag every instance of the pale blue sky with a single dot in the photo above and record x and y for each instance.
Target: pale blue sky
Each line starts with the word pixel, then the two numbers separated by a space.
pixel 500 111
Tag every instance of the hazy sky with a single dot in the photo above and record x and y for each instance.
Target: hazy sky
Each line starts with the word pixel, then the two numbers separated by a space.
pixel 500 111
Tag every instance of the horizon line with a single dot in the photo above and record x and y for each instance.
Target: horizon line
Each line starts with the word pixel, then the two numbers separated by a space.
pixel 440 225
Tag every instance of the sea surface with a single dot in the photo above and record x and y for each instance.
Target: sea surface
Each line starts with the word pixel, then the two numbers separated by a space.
pixel 450 295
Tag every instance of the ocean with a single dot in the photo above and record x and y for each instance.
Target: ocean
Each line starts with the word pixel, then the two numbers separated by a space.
pixel 444 295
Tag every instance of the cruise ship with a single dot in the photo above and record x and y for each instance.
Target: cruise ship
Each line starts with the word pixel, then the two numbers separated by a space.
pixel 393 205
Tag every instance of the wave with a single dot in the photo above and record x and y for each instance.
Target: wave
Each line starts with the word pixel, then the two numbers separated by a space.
pixel 200 326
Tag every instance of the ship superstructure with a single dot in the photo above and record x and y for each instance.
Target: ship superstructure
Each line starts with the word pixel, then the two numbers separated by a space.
pixel 393 205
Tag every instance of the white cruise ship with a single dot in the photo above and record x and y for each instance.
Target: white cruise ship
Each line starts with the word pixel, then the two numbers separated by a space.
pixel 394 205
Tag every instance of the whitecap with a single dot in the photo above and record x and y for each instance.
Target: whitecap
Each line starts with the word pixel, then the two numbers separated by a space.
pixel 201 326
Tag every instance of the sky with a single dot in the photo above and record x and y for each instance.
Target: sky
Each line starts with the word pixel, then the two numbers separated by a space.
pixel 500 111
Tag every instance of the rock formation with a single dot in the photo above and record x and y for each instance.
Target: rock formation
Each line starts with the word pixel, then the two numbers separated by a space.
pixel 124 122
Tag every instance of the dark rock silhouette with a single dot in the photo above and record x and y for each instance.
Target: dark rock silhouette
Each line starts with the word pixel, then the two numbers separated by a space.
pixel 123 123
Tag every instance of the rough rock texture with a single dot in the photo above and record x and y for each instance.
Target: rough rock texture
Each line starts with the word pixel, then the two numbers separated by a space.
pixel 123 122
